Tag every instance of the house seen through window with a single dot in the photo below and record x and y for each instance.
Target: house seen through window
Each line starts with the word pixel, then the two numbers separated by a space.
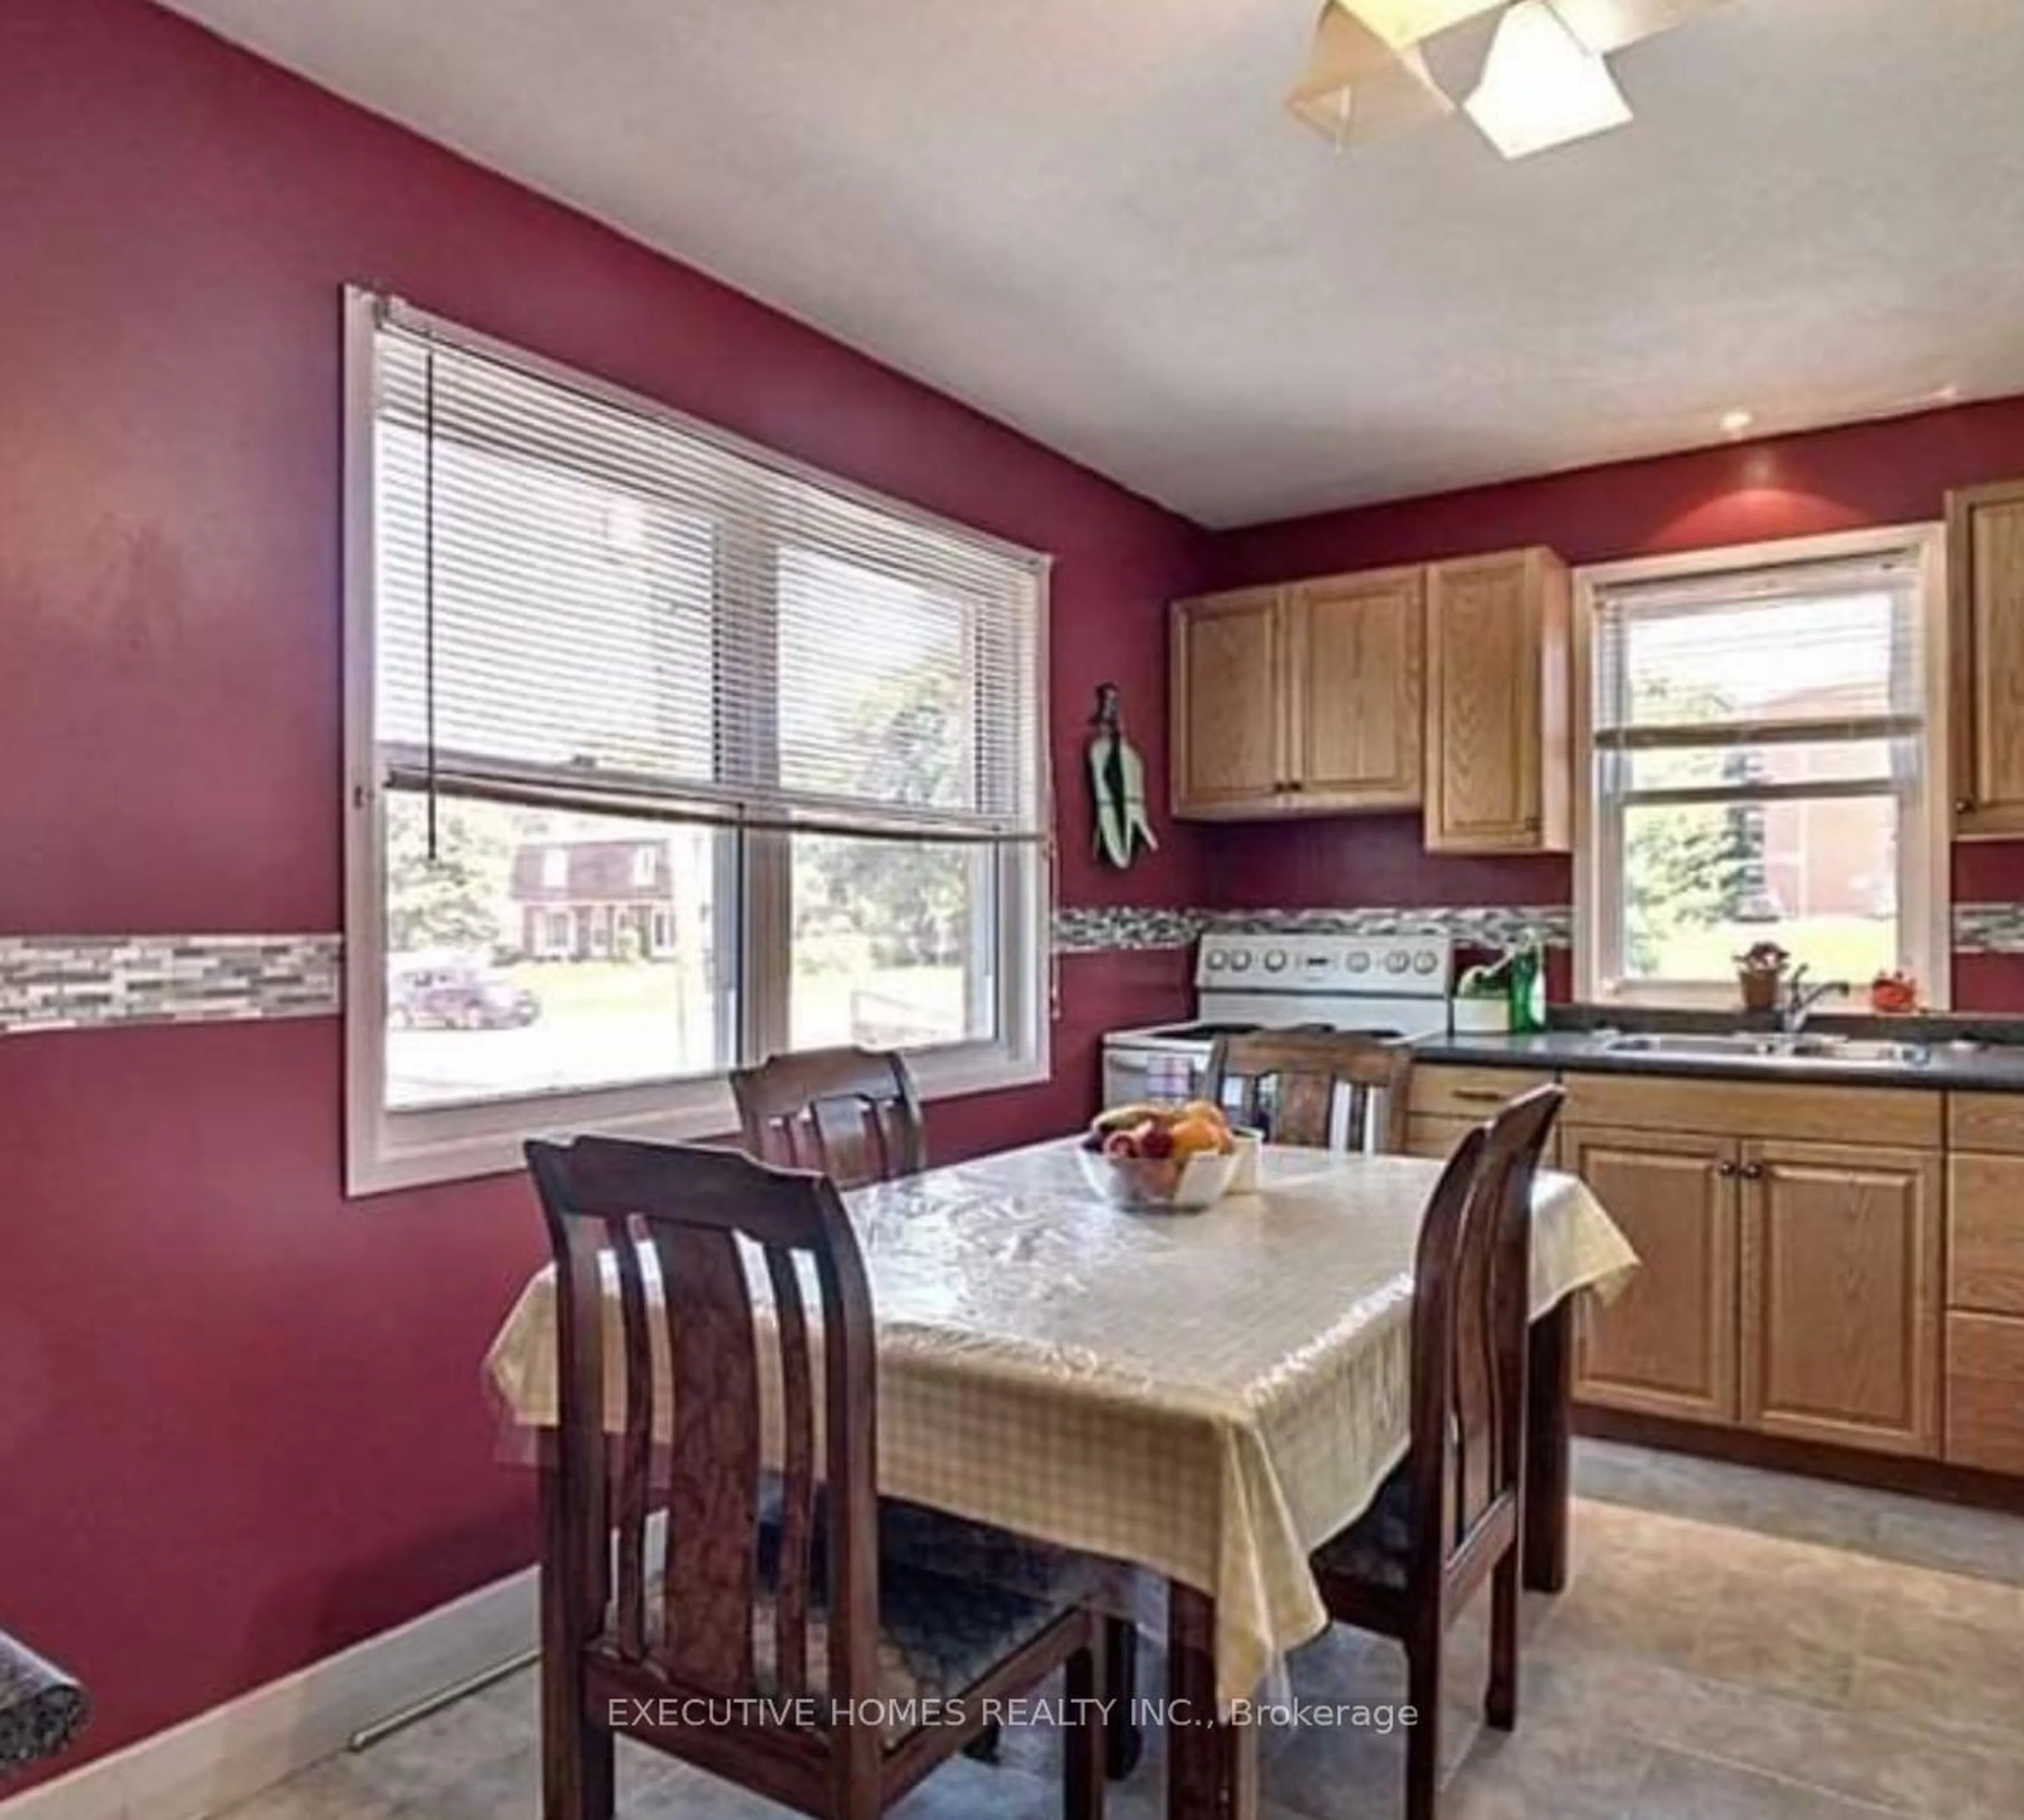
pixel 675 756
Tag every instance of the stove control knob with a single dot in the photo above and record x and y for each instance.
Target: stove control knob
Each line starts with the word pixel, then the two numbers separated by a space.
pixel 1358 961
pixel 1275 962
pixel 1216 960
pixel 1241 961
pixel 1396 962
pixel 1425 962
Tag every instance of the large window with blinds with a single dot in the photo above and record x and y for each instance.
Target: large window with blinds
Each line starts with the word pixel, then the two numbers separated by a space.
pixel 666 754
pixel 1761 767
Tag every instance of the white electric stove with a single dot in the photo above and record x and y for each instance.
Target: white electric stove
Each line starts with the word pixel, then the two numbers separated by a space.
pixel 1385 985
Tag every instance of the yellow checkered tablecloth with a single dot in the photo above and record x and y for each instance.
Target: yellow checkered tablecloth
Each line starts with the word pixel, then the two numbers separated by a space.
pixel 1208 1396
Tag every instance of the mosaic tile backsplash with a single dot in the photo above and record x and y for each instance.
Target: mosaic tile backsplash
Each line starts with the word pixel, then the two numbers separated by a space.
pixel 1109 930
pixel 1101 930
pixel 1978 928
pixel 1988 928
pixel 70 982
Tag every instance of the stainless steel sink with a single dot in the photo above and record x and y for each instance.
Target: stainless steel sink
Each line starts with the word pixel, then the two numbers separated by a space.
pixel 1857 1049
pixel 1643 1043
pixel 1751 1046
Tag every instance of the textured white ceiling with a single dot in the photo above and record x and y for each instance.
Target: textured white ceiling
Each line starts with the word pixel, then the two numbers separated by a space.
pixel 1092 219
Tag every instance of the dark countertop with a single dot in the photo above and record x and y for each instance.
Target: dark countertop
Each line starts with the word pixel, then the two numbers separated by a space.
pixel 1984 1070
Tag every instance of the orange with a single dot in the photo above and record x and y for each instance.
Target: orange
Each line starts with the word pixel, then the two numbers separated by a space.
pixel 1194 1136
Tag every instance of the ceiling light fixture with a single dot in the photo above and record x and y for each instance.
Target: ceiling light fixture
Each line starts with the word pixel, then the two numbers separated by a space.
pixel 1603 26
pixel 1359 87
pixel 1402 23
pixel 1542 86
pixel 1736 422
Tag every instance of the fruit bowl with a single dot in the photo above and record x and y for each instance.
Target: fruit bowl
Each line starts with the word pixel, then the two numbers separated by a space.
pixel 1161 1184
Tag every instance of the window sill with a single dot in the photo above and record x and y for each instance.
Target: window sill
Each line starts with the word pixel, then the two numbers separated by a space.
pixel 467 1143
pixel 1725 999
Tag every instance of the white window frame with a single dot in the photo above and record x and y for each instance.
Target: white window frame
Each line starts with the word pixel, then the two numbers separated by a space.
pixel 389 1150
pixel 1925 906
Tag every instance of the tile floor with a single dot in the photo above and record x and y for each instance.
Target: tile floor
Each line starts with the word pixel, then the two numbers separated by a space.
pixel 1736 1645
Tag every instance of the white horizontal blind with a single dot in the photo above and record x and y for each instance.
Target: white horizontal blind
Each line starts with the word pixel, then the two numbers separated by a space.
pixel 1799 680
pixel 588 602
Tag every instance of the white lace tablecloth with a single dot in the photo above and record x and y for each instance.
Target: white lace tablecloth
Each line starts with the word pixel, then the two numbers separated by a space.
pixel 1208 1396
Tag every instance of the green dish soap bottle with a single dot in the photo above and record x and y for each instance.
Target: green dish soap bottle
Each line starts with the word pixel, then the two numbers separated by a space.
pixel 1525 987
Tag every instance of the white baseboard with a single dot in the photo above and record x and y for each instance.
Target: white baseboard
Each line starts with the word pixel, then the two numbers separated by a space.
pixel 230 1753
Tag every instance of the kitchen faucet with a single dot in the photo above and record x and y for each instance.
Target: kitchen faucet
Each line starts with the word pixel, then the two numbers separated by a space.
pixel 1801 998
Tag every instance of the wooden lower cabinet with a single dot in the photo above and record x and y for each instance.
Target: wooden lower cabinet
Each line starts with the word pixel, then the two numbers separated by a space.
pixel 1667 1345
pixel 1842 1297
pixel 1433 1134
pixel 1986 1227
pixel 1985 1392
pixel 1471 1094
pixel 1447 1102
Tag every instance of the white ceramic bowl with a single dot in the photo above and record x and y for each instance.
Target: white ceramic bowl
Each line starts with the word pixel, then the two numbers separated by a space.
pixel 1164 1185
pixel 1243 1178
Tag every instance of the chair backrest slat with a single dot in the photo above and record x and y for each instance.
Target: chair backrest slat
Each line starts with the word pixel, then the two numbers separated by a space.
pixel 582 1485
pixel 853 1113
pixel 636 1462
pixel 709 1574
pixel 1288 1082
pixel 1471 1306
pixel 797 1478
pixel 697 1214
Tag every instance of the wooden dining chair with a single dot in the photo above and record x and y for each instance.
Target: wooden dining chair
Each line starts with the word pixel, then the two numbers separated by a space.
pixel 1450 1516
pixel 790 1623
pixel 853 1114
pixel 1288 1084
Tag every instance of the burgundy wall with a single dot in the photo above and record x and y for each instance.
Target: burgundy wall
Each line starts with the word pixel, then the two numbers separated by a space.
pixel 240 1422
pixel 1829 480
pixel 240 1425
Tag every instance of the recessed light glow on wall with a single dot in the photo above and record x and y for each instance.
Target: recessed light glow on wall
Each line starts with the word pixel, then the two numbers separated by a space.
pixel 1542 86
pixel 1736 422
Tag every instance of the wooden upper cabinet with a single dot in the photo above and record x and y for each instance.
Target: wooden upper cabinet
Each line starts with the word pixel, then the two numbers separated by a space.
pixel 1842 1295
pixel 1666 1344
pixel 1301 700
pixel 1229 734
pixel 1355 654
pixel 1499 776
pixel 1986 579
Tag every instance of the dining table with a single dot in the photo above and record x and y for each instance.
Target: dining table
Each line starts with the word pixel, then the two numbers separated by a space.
pixel 1206 1397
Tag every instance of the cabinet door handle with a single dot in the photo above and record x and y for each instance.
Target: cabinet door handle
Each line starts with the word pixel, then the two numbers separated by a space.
pixel 1753 1172
pixel 1727 1171
pixel 1963 805
pixel 1476 1096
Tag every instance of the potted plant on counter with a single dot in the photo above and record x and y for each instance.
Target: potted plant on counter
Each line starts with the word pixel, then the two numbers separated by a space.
pixel 1760 972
